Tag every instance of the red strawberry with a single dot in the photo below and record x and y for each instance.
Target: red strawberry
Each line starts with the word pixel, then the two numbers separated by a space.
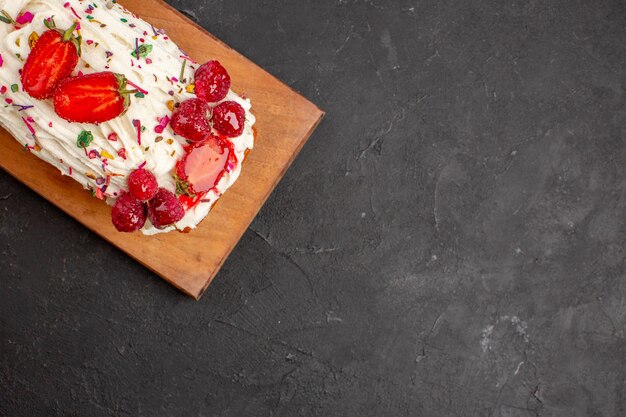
pixel 92 98
pixel 142 184
pixel 204 165
pixel 229 118
pixel 128 213
pixel 212 82
pixel 164 209
pixel 191 120
pixel 52 59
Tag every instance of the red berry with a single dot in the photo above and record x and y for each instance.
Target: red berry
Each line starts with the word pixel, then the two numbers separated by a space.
pixel 229 118
pixel 142 184
pixel 128 213
pixel 52 59
pixel 212 82
pixel 205 164
pixel 93 98
pixel 191 120
pixel 165 209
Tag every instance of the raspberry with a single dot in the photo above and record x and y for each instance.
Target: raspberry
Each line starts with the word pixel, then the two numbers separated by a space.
pixel 191 120
pixel 212 82
pixel 128 213
pixel 165 209
pixel 229 118
pixel 142 184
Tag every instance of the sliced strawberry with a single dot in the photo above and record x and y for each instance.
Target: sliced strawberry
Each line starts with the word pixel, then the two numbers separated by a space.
pixel 190 202
pixel 204 165
pixel 93 98
pixel 52 59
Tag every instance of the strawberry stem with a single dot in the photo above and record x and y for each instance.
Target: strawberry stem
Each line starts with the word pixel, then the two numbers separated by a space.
pixel 67 35
pixel 128 92
pixel 50 23
pixel 6 18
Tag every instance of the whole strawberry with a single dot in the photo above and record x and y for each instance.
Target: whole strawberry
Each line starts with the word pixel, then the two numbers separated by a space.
pixel 52 59
pixel 212 82
pixel 191 120
pixel 142 184
pixel 229 118
pixel 92 98
pixel 164 209
pixel 128 214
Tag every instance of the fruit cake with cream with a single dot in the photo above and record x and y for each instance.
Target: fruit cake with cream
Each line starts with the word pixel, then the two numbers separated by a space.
pixel 112 102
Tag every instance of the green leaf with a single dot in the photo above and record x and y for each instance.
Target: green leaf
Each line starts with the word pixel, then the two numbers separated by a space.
pixel 84 139
pixel 15 88
pixel 6 18
pixel 144 50
pixel 182 187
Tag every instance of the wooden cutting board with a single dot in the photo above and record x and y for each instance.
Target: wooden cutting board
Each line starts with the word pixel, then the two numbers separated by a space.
pixel 285 120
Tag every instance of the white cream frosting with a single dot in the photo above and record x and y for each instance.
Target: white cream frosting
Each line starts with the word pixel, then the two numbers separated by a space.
pixel 105 29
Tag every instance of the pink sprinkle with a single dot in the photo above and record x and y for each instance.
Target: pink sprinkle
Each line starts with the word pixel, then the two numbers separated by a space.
pixel 143 164
pixel 78 26
pixel 76 14
pixel 93 154
pixel 50 124
pixel 66 5
pixel 25 18
pixel 30 119
pixel 163 122
pixel 71 171
pixel 1 61
pixel 3 89
pixel 122 153
pixel 30 128
pixel 148 61
pixel 113 137
pixel 80 73
pixel 137 87
pixel 137 125
pixel 99 194
pixel 175 79
pixel 8 100
pixel 89 42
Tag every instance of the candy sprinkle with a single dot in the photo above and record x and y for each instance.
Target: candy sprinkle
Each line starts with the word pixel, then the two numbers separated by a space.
pixel 84 139
pixel 137 124
pixel 29 126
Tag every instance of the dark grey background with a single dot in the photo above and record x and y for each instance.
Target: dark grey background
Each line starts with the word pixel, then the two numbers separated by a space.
pixel 450 242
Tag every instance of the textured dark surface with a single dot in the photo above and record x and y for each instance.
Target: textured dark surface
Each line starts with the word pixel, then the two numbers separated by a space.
pixel 451 241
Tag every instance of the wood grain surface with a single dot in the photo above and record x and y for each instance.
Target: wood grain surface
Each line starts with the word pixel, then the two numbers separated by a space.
pixel 285 120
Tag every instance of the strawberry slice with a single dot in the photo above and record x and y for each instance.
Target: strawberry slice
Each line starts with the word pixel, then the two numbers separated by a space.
pixel 52 59
pixel 93 98
pixel 204 165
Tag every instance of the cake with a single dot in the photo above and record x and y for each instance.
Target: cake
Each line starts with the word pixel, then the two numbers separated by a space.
pixel 112 102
